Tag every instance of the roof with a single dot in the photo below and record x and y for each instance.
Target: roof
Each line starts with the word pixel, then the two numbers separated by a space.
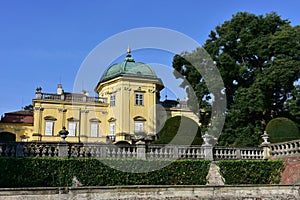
pixel 128 68
pixel 21 116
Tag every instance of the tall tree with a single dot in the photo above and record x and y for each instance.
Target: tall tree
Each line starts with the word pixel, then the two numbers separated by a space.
pixel 259 60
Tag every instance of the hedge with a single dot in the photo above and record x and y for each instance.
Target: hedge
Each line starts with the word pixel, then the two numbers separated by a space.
pixel 251 172
pixel 52 172
pixel 49 172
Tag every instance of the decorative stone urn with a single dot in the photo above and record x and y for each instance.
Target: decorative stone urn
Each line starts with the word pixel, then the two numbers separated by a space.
pixel 207 140
pixel 265 137
pixel 63 134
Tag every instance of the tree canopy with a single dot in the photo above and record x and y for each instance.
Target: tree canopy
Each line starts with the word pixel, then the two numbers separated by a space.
pixel 258 58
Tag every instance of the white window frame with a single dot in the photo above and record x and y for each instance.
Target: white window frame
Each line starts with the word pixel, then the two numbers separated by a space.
pixel 94 126
pixel 49 127
pixel 112 129
pixel 112 101
pixel 72 128
pixel 139 99
pixel 139 127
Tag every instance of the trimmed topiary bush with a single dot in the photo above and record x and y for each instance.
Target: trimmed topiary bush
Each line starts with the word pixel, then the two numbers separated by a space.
pixel 183 128
pixel 282 129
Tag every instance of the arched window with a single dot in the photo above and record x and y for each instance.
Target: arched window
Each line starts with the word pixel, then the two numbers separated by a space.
pixel 139 124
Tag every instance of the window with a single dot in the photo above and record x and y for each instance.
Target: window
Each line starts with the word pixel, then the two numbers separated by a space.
pixel 72 129
pixel 112 131
pixel 49 128
pixel 112 100
pixel 94 129
pixel 139 99
pixel 138 127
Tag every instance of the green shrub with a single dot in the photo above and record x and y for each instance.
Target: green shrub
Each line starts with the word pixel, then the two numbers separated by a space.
pixel 282 129
pixel 251 172
pixel 49 172
pixel 185 130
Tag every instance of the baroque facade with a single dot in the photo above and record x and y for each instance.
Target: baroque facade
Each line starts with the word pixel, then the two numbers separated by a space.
pixel 127 107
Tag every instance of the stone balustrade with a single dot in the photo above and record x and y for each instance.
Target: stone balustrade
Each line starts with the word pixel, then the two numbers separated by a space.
pixel 102 151
pixel 290 148
pixel 175 152
pixel 96 150
pixel 19 149
pixel 232 153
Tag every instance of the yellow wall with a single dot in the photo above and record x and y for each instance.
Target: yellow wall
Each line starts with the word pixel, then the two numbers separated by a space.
pixel 125 111
pixel 64 112
pixel 21 130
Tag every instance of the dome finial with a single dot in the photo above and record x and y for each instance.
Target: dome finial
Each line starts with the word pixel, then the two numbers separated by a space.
pixel 128 50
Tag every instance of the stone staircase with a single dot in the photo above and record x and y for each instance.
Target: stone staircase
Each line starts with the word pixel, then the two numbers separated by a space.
pixel 214 177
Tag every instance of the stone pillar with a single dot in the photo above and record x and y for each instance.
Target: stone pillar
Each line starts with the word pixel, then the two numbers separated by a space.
pixel 141 149
pixel 208 147
pixel 19 150
pixel 63 150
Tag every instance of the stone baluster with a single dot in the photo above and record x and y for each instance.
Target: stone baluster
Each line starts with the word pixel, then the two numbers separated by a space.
pixel 162 152
pixel 87 152
pixel 44 150
pixel 50 151
pixel 113 152
pixel 124 152
pixel 217 153
pixel 55 152
pixel 25 151
pixel 37 151
pixel 134 152
pixel 12 151
pixel 32 150
pixel 220 153
pixel 151 153
pixel 81 152
pixel 165 152
pixel 119 154
pixel 6 151
pixel 92 151
pixel 98 153
pixel 156 152
pixel 128 153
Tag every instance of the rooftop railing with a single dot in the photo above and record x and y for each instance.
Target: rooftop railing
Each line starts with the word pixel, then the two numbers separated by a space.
pixel 71 97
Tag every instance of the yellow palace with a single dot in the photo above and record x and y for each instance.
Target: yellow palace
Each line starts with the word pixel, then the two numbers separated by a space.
pixel 124 110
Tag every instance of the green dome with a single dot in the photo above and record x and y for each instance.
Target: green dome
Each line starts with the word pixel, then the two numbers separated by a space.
pixel 128 68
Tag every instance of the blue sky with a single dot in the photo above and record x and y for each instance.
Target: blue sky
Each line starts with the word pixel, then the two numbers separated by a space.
pixel 43 43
